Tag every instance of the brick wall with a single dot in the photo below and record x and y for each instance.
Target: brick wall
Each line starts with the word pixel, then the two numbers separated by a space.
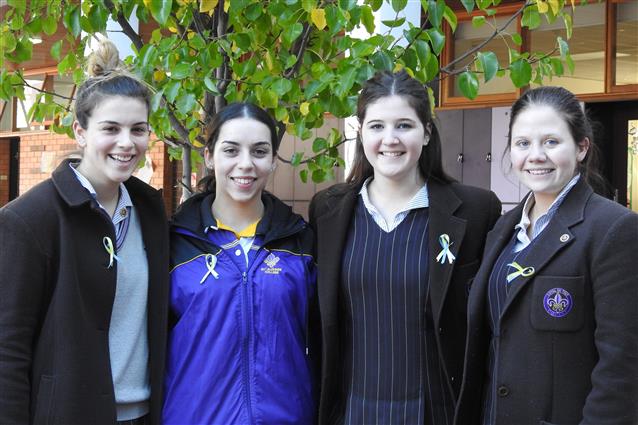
pixel 41 152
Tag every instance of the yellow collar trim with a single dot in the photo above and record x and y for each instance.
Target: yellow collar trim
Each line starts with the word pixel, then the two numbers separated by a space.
pixel 248 232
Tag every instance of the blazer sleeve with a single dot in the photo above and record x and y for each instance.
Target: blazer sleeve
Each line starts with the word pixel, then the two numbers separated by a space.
pixel 22 282
pixel 615 290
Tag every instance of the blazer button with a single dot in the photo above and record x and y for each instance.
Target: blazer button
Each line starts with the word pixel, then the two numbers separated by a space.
pixel 503 391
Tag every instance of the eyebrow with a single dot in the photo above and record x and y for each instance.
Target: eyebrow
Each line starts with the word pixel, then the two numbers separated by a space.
pixel 254 144
pixel 117 123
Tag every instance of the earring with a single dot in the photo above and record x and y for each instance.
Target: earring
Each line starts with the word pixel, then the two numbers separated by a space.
pixel 426 141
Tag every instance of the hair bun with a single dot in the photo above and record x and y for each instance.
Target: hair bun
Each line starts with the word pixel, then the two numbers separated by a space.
pixel 104 59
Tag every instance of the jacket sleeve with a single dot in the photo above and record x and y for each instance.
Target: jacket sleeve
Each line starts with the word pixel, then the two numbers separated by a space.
pixel 23 266
pixel 614 392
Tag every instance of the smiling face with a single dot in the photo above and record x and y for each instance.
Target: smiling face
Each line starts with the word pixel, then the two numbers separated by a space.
pixel 393 137
pixel 115 140
pixel 543 152
pixel 242 160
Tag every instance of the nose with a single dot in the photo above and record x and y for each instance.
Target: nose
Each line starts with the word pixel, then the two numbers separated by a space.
pixel 390 137
pixel 536 152
pixel 245 161
pixel 125 139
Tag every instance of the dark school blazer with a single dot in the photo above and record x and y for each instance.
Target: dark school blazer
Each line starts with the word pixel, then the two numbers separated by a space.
pixel 578 368
pixel 465 213
pixel 56 298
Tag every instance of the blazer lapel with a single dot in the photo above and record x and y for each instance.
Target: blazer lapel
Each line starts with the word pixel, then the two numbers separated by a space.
pixel 332 231
pixel 554 238
pixel 443 204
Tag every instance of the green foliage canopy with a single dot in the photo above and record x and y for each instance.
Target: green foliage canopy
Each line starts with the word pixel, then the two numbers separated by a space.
pixel 296 58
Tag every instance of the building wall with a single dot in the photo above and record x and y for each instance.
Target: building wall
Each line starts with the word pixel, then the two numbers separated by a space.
pixel 42 151
pixel 5 161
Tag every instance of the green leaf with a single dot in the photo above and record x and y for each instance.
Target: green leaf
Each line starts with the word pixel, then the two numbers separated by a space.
pixel 570 63
pixel 281 86
pixel 367 17
pixel 393 23
pixel 468 84
pixel 49 25
pixel 182 71
pixel 253 11
pixel 23 51
pixel 308 5
pixel 423 51
pixel 210 86
pixel 399 5
pixel 303 175
pixel 361 49
pixel 468 5
pixel 319 144
pixel 569 26
pixel 161 10
pixel 291 32
pixel 171 90
pixel 72 20
pixel 517 39
pixel 563 47
pixel 489 62
pixel 347 4
pixel 8 42
pixel 437 39
pixel 450 17
pixel 557 66
pixel 483 4
pixel 156 100
pixel 436 8
pixel 374 4
pixel 56 49
pixel 478 21
pixel 185 104
pixel 346 81
pixel 98 17
pixel 531 18
pixel 520 73
pixel 382 61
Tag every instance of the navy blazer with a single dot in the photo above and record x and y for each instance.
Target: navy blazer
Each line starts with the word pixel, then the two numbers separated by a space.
pixel 578 368
pixel 465 213
pixel 56 298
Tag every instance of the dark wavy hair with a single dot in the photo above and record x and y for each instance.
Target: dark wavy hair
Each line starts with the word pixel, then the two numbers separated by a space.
pixel 384 84
pixel 580 126
pixel 230 112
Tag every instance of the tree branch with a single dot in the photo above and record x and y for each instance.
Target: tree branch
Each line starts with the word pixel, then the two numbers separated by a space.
pixel 126 27
pixel 305 37
pixel 312 158
pixel 450 66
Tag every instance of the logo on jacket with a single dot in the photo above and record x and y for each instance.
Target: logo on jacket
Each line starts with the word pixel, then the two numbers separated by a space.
pixel 271 261
pixel 557 302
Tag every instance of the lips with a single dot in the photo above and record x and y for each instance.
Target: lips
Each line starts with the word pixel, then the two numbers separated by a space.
pixel 243 181
pixel 539 171
pixel 122 158
pixel 392 154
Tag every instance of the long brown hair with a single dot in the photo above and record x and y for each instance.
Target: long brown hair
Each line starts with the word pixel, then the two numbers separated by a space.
pixel 385 84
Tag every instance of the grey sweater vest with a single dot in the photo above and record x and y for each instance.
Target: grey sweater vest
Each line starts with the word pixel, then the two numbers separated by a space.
pixel 128 338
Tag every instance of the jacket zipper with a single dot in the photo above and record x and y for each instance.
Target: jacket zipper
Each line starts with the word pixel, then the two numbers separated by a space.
pixel 246 344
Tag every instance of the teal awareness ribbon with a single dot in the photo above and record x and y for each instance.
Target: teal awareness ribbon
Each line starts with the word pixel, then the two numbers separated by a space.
pixel 445 254
pixel 211 262
pixel 519 271
pixel 110 249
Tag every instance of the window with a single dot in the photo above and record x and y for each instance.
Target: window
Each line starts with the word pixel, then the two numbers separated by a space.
pixel 626 43
pixel 587 48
